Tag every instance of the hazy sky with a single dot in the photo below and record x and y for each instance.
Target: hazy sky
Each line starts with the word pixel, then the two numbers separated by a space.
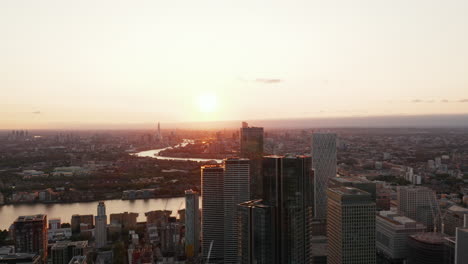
pixel 69 62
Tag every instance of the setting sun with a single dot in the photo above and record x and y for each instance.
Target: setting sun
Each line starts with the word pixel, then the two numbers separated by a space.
pixel 207 103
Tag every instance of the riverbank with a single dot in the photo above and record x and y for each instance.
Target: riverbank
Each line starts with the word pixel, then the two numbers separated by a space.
pixel 91 200
pixel 9 213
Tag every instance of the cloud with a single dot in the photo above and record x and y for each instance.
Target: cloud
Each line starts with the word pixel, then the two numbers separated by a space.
pixel 263 80
pixel 36 112
pixel 463 101
pixel 423 101
pixel 444 101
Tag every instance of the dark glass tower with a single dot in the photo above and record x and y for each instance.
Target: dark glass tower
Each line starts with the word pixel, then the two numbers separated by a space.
pixel 287 183
pixel 251 147
pixel 257 233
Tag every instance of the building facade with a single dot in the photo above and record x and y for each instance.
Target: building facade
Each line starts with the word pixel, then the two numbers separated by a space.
pixel 350 226
pixel 30 235
pixel 324 165
pixel 236 190
pixel 288 188
pixel 251 147
pixel 192 224
pixel 257 233
pixel 212 181
pixel 461 243
pixel 392 232
pixel 101 226
pixel 418 203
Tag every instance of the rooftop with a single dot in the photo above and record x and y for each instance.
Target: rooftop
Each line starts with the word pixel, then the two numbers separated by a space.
pixel 456 208
pixel 348 191
pixel 29 218
pixel 429 237
pixel 351 179
pixel 190 192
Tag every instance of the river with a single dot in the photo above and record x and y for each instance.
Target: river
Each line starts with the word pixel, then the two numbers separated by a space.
pixel 154 153
pixel 9 213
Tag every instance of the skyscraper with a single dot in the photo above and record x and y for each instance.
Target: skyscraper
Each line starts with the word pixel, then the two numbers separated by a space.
pixel 192 224
pixel 288 188
pixel 236 190
pixel 101 226
pixel 212 181
pixel 418 203
pixel 30 235
pixel 257 233
pixel 324 165
pixel 251 147
pixel 350 226
pixel 461 254
pixel 158 133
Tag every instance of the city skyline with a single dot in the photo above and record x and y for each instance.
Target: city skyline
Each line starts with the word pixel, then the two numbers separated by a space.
pixel 67 65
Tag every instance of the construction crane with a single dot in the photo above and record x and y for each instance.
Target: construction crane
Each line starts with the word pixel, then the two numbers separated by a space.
pixel 437 215
pixel 209 252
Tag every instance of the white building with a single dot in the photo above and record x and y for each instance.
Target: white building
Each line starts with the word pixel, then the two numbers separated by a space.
pixel 101 226
pixel 324 165
pixel 392 231
pixel 418 203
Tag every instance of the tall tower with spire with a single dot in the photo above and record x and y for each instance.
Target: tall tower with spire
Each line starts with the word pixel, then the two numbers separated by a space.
pixel 158 133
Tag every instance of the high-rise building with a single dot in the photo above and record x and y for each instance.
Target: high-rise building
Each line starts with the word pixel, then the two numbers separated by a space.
pixel 257 233
pixel 192 224
pixel 324 165
pixel 251 147
pixel 418 203
pixel 158 133
pixel 30 235
pixel 101 226
pixel 350 226
pixel 461 244
pixel 212 181
pixel 392 231
pixel 288 188
pixel 236 190
pixel 251 142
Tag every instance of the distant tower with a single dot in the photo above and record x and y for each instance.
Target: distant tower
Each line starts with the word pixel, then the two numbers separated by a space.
pixel 192 224
pixel 158 133
pixel 251 147
pixel 324 165
pixel 101 226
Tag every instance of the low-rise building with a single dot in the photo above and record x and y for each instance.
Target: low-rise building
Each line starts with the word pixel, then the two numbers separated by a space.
pixel 392 231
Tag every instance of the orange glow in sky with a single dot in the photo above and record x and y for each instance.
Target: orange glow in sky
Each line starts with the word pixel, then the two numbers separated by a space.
pixel 94 62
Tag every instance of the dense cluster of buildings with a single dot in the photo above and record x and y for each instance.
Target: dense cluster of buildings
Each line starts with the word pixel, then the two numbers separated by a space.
pixel 275 209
